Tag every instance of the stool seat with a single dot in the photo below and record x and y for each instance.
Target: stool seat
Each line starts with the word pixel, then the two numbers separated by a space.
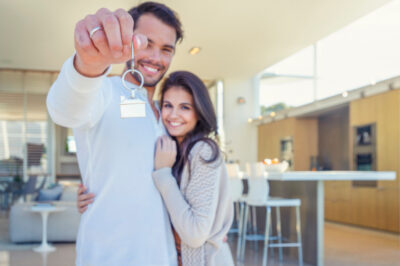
pixel 273 202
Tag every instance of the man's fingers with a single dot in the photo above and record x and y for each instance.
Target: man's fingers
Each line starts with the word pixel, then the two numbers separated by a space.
pixel 112 30
pixel 98 38
pixel 82 210
pixel 86 196
pixel 81 190
pixel 84 203
pixel 140 41
pixel 82 40
pixel 126 26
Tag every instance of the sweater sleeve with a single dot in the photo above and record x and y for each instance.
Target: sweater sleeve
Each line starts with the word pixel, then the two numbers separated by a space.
pixel 75 100
pixel 193 215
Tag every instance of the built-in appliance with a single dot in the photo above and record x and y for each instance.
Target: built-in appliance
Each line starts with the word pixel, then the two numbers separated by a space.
pixel 364 152
pixel 287 151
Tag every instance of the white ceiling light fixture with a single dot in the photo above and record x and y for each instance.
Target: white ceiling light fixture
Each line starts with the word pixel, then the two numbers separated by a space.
pixel 194 50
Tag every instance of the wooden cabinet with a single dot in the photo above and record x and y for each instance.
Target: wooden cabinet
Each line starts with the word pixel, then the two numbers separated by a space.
pixel 302 131
pixel 371 207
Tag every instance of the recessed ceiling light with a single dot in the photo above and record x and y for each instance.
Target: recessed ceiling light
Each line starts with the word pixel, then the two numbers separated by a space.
pixel 194 50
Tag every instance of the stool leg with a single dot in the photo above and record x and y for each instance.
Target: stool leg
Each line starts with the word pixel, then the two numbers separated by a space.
pixel 298 230
pixel 237 213
pixel 244 232
pixel 266 240
pixel 240 230
pixel 254 218
pixel 271 249
pixel 279 230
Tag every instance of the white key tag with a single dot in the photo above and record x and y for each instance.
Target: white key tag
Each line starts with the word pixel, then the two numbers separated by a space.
pixel 132 106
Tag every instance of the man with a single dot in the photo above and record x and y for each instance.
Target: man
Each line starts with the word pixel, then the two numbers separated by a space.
pixel 127 224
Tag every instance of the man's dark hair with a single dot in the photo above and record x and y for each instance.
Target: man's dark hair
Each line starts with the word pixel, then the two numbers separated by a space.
pixel 160 11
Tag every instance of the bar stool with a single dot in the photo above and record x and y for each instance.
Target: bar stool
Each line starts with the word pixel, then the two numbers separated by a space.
pixel 258 197
pixel 236 190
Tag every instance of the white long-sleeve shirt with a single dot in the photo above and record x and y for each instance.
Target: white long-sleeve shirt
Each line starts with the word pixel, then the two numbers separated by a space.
pixel 127 224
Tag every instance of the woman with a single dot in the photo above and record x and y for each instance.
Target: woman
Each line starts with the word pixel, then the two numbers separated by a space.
pixel 190 173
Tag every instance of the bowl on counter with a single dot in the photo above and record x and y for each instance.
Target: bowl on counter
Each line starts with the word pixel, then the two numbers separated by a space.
pixel 277 167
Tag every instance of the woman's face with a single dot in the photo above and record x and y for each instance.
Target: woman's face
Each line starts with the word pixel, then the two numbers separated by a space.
pixel 178 113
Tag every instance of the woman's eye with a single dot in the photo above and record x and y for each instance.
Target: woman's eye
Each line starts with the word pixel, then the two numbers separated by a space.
pixel 166 105
pixel 185 107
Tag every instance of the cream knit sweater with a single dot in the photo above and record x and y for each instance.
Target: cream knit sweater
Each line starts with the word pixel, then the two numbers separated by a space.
pixel 201 210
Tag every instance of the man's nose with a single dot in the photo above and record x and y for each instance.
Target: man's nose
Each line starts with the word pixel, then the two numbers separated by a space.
pixel 155 55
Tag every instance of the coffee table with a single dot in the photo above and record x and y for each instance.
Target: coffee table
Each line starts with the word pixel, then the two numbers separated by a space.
pixel 44 211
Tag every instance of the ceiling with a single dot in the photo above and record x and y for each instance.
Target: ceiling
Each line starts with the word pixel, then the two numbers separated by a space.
pixel 238 39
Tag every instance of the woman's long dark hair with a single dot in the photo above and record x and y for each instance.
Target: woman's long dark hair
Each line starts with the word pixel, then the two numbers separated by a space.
pixel 206 127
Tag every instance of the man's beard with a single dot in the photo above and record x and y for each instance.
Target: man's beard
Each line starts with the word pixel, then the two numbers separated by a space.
pixel 136 76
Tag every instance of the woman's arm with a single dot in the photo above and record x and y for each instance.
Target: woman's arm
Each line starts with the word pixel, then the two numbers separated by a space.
pixel 193 216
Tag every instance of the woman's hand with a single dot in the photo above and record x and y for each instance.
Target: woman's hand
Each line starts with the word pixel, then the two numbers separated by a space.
pixel 84 199
pixel 165 153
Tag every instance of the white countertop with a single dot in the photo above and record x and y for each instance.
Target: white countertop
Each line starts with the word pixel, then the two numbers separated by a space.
pixel 331 175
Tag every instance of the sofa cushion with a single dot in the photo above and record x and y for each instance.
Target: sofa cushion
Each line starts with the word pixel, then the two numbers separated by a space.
pixel 50 194
pixel 70 193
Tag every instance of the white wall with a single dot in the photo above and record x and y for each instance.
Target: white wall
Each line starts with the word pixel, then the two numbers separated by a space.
pixel 240 136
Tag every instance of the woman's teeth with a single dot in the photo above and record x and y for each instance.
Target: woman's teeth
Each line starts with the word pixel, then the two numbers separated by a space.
pixel 175 124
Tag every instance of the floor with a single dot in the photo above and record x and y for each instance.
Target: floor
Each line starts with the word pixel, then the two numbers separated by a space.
pixel 344 246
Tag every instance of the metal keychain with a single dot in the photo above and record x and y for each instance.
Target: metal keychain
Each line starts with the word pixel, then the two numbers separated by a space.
pixel 132 106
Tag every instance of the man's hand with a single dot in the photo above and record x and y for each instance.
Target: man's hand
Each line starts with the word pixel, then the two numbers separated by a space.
pixel 83 199
pixel 165 153
pixel 109 45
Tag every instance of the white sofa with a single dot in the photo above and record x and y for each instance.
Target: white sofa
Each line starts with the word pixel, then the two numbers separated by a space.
pixel 26 226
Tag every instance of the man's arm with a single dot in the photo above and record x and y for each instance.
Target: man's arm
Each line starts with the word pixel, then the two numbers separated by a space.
pixel 78 96
pixel 75 100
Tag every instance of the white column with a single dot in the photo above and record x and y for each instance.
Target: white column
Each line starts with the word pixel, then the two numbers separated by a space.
pixel 5 139
pixel 220 113
pixel 24 129
pixel 51 150
pixel 240 136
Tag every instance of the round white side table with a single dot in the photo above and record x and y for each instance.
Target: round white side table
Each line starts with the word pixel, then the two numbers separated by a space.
pixel 45 211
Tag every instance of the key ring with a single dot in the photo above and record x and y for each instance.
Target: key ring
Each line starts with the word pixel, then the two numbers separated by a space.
pixel 132 70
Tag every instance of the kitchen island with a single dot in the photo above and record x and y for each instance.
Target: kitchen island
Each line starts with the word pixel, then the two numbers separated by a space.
pixel 309 187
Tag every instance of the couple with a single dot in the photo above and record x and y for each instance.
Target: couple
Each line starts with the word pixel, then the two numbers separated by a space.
pixel 168 208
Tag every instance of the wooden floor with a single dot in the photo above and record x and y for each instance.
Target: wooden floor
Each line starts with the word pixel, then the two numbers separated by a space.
pixel 344 246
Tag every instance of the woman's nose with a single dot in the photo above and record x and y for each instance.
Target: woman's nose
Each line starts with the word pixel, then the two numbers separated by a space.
pixel 173 113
